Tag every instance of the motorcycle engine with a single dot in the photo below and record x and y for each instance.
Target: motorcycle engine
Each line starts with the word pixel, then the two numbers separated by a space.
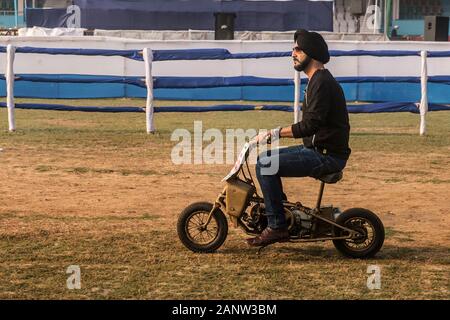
pixel 302 223
pixel 255 220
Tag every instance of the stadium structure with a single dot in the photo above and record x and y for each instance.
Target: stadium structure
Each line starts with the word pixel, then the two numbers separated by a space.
pixel 389 55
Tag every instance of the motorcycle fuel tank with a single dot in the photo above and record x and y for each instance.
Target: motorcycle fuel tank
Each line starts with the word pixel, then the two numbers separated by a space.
pixel 237 195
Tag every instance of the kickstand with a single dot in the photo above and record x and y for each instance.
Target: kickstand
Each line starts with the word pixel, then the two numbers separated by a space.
pixel 260 249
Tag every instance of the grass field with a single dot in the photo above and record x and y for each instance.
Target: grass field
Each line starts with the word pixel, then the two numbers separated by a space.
pixel 94 190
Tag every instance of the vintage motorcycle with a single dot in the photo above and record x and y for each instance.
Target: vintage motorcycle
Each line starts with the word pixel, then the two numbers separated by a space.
pixel 203 227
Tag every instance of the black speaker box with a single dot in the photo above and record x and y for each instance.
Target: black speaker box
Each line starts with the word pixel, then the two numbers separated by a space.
pixel 436 28
pixel 224 28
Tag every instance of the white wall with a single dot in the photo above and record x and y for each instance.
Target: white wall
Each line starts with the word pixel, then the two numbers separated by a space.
pixel 272 67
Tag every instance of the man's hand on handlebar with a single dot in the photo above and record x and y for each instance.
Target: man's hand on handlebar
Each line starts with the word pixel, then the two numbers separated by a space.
pixel 266 137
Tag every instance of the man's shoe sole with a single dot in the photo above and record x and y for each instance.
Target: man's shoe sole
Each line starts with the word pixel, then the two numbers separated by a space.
pixel 268 242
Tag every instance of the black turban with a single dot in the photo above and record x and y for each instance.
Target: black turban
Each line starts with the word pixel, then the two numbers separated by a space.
pixel 313 44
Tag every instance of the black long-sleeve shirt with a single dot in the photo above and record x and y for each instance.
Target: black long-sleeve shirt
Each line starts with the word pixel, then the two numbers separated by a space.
pixel 325 122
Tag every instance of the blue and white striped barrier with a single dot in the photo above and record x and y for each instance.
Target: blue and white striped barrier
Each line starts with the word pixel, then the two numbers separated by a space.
pixel 151 83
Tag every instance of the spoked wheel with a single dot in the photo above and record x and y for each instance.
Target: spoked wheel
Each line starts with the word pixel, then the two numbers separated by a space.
pixel 370 233
pixel 198 236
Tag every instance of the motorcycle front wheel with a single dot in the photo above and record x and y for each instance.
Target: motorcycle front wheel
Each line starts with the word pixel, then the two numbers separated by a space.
pixel 370 229
pixel 195 234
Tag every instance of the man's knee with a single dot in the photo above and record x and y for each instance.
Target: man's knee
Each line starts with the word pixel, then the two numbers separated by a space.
pixel 263 161
pixel 266 166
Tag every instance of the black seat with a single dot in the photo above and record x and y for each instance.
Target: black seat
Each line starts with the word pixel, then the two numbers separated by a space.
pixel 332 177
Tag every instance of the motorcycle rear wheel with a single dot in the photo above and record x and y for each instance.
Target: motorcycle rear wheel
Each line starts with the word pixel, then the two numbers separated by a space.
pixel 195 235
pixel 368 225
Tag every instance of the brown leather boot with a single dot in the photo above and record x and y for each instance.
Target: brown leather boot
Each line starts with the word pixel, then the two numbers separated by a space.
pixel 269 236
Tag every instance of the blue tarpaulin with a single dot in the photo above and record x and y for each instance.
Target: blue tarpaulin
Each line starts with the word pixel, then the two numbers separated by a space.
pixel 363 108
pixel 190 14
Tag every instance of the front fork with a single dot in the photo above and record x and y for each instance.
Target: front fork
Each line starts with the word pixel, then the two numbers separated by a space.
pixel 219 203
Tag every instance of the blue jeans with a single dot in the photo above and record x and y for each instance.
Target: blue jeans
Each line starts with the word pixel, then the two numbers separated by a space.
pixel 295 161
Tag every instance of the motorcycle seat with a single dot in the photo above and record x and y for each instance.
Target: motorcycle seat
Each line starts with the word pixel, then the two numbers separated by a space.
pixel 331 178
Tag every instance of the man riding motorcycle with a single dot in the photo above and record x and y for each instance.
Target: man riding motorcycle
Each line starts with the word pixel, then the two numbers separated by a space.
pixel 324 128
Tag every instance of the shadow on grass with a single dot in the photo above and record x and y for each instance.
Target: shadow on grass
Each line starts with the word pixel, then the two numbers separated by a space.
pixel 434 255
pixel 384 134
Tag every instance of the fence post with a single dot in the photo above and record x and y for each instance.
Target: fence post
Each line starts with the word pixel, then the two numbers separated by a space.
pixel 10 53
pixel 149 111
pixel 424 99
pixel 297 88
